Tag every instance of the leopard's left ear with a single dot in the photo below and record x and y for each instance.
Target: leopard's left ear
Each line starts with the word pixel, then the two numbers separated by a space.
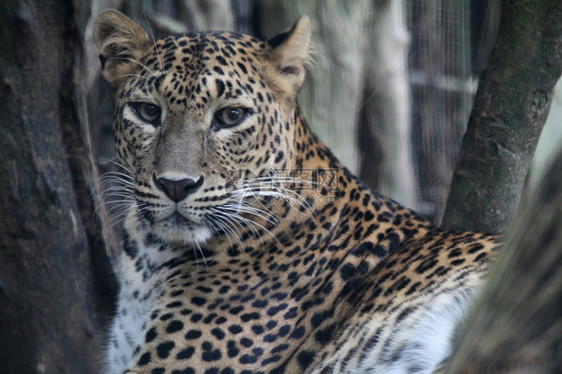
pixel 290 55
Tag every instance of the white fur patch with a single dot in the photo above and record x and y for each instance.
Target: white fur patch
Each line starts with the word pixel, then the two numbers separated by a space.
pixel 138 295
pixel 423 340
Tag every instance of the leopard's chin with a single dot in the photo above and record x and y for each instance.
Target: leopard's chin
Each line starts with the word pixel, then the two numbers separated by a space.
pixel 176 229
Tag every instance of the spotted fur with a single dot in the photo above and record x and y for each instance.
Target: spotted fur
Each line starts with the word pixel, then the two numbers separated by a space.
pixel 248 248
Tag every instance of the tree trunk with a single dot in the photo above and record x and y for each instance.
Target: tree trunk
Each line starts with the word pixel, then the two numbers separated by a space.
pixel 516 326
pixel 54 274
pixel 510 108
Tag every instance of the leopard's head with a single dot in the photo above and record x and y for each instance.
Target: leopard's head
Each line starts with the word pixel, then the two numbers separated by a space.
pixel 201 120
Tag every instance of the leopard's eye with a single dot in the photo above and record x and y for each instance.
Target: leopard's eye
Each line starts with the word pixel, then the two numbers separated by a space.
pixel 148 112
pixel 229 117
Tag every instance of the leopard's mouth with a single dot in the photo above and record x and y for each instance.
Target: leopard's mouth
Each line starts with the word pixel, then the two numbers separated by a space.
pixel 178 219
pixel 176 228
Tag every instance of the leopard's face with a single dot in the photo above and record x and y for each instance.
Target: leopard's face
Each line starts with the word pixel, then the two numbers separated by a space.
pixel 200 120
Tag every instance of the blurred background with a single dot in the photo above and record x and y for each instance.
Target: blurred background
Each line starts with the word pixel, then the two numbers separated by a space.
pixel 390 91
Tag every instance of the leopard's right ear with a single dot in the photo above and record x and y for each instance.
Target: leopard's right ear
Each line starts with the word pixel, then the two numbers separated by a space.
pixel 121 44
pixel 289 55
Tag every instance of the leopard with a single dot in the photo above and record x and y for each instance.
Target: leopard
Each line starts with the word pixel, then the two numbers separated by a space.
pixel 247 246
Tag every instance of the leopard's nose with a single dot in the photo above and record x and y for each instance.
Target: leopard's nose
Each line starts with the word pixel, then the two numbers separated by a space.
pixel 177 190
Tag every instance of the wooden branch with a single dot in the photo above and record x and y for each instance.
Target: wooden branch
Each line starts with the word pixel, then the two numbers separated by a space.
pixel 510 109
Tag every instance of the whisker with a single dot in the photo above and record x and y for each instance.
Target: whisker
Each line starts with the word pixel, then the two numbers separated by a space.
pixel 141 65
pixel 153 38
pixel 239 220
pixel 267 216
pixel 235 217
pixel 222 215
pixel 216 226
pixel 117 193
pixel 127 75
pixel 202 255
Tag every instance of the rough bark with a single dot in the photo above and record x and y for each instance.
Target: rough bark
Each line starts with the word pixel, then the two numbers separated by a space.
pixel 54 274
pixel 516 326
pixel 510 108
